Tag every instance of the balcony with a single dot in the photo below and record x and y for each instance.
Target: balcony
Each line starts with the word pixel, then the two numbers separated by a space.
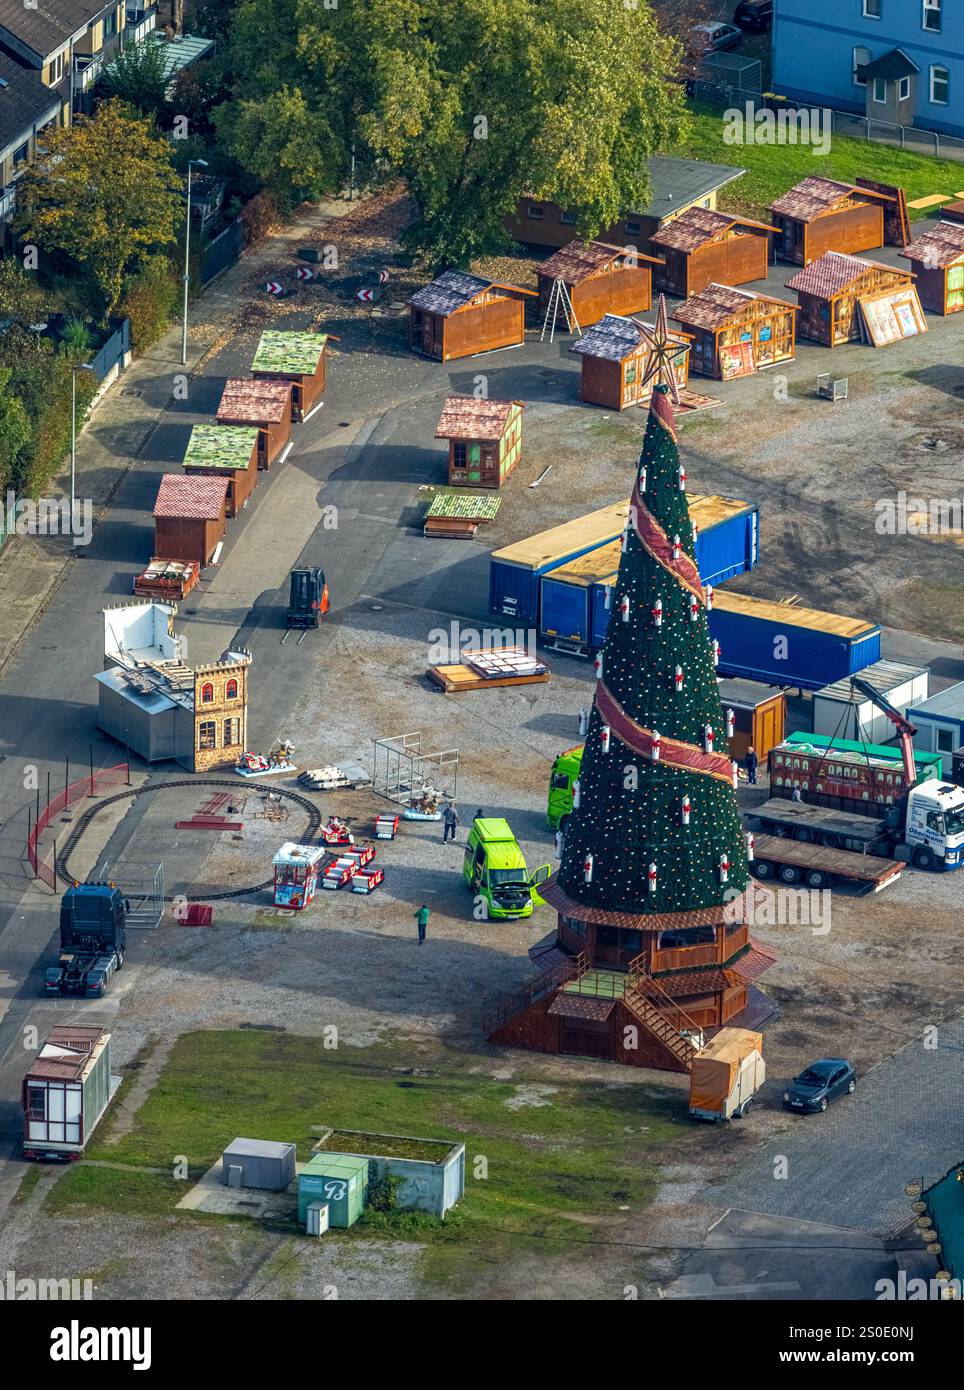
pixel 141 21
pixel 8 201
pixel 87 69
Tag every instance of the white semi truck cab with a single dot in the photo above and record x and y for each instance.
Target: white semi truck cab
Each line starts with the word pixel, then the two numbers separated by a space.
pixel 934 831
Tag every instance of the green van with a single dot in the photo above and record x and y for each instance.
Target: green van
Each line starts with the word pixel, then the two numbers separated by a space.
pixel 495 868
pixel 565 770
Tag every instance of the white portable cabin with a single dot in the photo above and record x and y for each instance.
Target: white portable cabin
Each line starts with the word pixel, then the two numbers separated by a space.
pixel 835 715
pixel 66 1091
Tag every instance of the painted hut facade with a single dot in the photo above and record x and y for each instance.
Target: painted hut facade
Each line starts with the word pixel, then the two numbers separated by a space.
pixel 264 404
pixel 938 260
pixel 703 246
pixel 819 215
pixel 298 358
pixel 189 518
pixel 829 292
pixel 600 279
pixel 615 356
pixel 485 440
pixel 735 332
pixel 458 315
pixel 161 708
pixel 225 451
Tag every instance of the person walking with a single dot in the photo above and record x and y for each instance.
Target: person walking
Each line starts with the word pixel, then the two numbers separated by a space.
pixel 480 814
pixel 450 822
pixel 751 765
pixel 421 917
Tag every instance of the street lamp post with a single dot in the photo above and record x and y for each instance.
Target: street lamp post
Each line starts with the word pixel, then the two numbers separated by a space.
pixel 187 256
pixel 80 367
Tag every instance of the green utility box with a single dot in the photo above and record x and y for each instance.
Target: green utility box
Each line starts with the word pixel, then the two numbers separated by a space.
pixel 341 1180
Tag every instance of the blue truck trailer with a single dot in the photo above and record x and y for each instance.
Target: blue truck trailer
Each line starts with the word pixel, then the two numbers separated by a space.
pixel 568 598
pixel 515 570
pixel 786 645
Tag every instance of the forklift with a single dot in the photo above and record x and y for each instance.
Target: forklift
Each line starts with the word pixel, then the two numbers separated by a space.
pixel 307 601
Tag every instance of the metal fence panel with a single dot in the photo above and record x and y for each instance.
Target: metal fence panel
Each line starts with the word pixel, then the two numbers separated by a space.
pixel 223 251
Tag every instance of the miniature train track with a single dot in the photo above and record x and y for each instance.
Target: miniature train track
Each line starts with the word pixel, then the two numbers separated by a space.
pixel 62 865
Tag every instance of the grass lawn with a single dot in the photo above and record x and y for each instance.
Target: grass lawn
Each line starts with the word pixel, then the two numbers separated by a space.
pixel 772 169
pixel 534 1171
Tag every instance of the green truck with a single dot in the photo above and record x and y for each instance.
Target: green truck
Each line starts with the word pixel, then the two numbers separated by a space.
pixel 495 869
pixel 565 770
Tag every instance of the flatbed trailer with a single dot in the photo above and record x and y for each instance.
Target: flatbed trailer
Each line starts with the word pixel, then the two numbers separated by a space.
pixel 820 825
pixel 816 866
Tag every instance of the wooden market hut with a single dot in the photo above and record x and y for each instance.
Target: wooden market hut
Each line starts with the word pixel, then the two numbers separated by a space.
pixel 829 290
pixel 615 354
pixel 266 404
pixel 938 259
pixel 599 278
pixel 459 314
pixel 296 357
pixel 759 717
pixel 485 439
pixel 225 451
pixel 736 332
pixel 702 246
pixel 819 215
pixel 189 517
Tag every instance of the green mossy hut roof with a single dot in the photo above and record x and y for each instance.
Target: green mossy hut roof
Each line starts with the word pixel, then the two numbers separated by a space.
pixel 221 446
pixel 297 353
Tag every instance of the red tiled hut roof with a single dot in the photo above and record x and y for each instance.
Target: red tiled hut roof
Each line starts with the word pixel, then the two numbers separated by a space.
pixel 716 305
pixel 191 498
pixel 255 402
pixel 813 196
pixel 938 246
pixel 833 271
pixel 465 417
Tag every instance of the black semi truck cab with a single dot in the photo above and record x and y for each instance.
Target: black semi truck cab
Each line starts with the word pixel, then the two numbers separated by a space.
pixel 93 939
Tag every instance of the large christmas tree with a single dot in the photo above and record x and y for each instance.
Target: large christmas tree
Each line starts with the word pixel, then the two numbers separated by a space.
pixel 655 828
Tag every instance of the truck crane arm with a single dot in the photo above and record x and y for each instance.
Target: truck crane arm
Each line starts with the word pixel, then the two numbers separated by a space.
pixel 905 729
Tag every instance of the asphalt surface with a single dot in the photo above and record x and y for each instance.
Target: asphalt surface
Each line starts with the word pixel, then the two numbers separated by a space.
pixel 364 453
pixel 849 1165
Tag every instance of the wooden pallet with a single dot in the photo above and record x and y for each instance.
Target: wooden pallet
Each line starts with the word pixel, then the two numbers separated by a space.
pixel 456 679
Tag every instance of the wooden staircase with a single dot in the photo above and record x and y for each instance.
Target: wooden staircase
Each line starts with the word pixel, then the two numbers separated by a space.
pixel 648 1002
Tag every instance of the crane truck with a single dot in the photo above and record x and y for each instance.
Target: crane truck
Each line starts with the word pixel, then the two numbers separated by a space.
pixel 924 825
pixel 93 939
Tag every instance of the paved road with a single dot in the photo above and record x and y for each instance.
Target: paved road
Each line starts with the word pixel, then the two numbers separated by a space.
pixel 848 1166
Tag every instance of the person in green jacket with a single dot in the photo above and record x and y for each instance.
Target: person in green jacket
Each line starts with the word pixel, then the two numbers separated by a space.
pixel 421 917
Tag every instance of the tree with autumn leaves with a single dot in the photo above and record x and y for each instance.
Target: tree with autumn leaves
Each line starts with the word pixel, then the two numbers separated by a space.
pixel 104 193
pixel 474 103
pixel 655 826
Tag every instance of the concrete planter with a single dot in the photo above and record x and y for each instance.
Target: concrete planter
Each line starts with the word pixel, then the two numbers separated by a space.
pixel 428 1183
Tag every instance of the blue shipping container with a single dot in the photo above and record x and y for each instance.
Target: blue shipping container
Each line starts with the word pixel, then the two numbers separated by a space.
pixel 515 570
pixel 573 607
pixel 784 645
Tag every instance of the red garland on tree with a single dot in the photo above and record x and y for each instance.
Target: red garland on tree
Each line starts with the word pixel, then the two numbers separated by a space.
pixel 648 750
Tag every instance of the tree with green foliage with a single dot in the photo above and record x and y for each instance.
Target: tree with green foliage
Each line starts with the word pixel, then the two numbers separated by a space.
pixel 475 103
pixel 657 828
pixel 103 192
pixel 14 432
pixel 286 143
pixel 137 74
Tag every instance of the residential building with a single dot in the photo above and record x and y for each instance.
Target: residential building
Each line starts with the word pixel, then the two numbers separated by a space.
pixel 51 57
pixel 26 108
pixel 900 61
